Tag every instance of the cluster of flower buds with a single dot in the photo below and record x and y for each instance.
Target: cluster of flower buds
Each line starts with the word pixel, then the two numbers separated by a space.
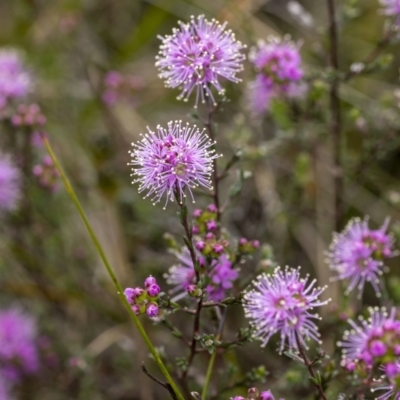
pixel 28 115
pixel 119 87
pixel 212 247
pixel 206 220
pixel 246 246
pixel 254 394
pixel 144 300
pixel 46 174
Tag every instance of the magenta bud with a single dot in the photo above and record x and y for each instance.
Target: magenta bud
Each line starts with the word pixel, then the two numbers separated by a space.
pixel 377 348
pixel 209 236
pixel 267 395
pixel 212 208
pixel 136 309
pixel 391 370
pixel 138 292
pixel 211 225
pixel 242 241
pixel 193 291
pixel 152 310
pixel 197 213
pixel 153 290
pixel 200 245
pixel 255 244
pixel 195 229
pixel 218 248
pixel 150 281
pixel 130 295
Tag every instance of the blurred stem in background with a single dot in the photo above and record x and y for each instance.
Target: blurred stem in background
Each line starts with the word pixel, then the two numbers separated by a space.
pixel 172 386
pixel 335 112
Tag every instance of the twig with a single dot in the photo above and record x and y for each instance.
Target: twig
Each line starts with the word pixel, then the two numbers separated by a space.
pixel 196 328
pixel 188 232
pixel 335 111
pixel 309 366
pixel 373 55
pixel 165 385
pixel 213 356
pixel 209 125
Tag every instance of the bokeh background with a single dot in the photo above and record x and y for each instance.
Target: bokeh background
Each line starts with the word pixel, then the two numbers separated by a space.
pixel 283 185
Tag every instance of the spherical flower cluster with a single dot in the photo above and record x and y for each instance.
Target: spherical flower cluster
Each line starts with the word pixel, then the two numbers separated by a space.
pixel 119 87
pixel 173 160
pixel 220 271
pixel 10 184
pixel 15 82
pixel 357 254
pixel 281 303
pixel 18 350
pixel 28 115
pixel 391 7
pixel 144 300
pixel 46 174
pixel 197 55
pixel 375 342
pixel 279 72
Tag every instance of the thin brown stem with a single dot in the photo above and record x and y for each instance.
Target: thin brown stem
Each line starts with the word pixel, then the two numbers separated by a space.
pixel 373 55
pixel 196 329
pixel 209 125
pixel 165 385
pixel 309 366
pixel 335 111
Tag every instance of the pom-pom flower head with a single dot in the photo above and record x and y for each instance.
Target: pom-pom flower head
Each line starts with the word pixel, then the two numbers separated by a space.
pixel 15 82
pixel 278 64
pixel 281 303
pixel 197 55
pixel 373 341
pixel 10 184
pixel 171 160
pixel 357 253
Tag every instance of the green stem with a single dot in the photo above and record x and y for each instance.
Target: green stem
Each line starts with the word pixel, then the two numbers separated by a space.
pixel 212 359
pixel 110 270
pixel 208 375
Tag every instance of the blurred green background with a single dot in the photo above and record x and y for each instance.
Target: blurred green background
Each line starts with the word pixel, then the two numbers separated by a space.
pixel 286 201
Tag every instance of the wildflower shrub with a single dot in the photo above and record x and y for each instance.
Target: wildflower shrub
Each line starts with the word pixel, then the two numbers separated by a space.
pixel 241 323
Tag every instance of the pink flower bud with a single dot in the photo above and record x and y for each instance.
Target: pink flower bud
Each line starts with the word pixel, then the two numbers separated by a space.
pixel 212 208
pixel 152 310
pixel 153 290
pixel 197 213
pixel 150 281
